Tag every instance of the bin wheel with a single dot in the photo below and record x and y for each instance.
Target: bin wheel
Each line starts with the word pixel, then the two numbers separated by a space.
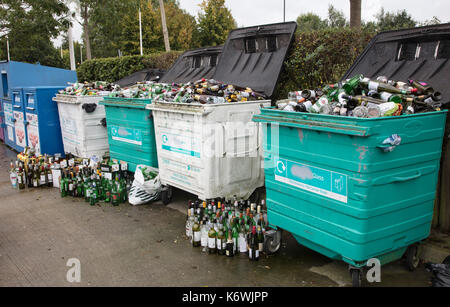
pixel 447 260
pixel 166 195
pixel 412 257
pixel 272 244
pixel 356 278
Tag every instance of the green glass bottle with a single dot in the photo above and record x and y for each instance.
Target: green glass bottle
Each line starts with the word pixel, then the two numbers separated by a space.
pixel 221 240
pixel 212 236
pixel 351 85
pixel 115 193
pixel 93 195
pixel 62 184
pixel 107 189
pixel 196 234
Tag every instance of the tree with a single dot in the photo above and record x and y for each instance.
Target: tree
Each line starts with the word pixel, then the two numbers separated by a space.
pixel 431 22
pixel 84 8
pixel 394 21
pixel 336 18
pixel 181 27
pixel 106 24
pixel 30 26
pixel 164 25
pixel 310 22
pixel 215 22
pixel 355 14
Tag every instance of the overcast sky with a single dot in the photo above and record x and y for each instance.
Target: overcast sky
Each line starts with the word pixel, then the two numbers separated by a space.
pixel 255 12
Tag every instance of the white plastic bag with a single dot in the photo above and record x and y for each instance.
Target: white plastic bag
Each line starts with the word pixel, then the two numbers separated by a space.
pixel 142 191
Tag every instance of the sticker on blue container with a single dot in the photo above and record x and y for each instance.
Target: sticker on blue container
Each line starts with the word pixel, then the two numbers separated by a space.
pixel 127 135
pixel 312 179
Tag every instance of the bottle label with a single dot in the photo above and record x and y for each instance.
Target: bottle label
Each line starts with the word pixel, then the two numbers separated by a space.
pixel 219 244
pixel 204 241
pixel 212 242
pixel 88 193
pixel 261 247
pixel 50 178
pixel 242 244
pixel 197 236
pixel 19 179
pixel 188 229
pixel 42 179
pixel 385 96
pixel 250 252
pixel 256 253
pixel 373 86
pixel 70 187
pixel 235 244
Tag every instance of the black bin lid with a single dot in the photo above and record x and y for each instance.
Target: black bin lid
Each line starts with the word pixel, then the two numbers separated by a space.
pixel 254 56
pixel 148 74
pixel 193 65
pixel 421 54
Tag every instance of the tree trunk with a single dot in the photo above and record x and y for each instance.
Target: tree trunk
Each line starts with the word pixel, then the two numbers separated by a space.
pixel 355 14
pixel 87 41
pixel 164 26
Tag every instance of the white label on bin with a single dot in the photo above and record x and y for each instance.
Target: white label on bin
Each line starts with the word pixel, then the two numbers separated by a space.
pixel 127 135
pixel 181 144
pixel 312 179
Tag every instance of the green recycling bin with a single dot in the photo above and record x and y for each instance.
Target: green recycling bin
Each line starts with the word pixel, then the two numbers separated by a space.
pixel 333 183
pixel 131 133
pixel 360 189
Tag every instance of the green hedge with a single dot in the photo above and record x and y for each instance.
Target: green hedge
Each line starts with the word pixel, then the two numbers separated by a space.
pixel 320 57
pixel 113 69
pixel 316 58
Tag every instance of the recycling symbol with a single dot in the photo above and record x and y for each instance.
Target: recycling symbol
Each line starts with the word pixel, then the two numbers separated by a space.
pixel 281 167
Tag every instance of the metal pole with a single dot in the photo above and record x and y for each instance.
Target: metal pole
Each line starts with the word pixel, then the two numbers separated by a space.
pixel 140 31
pixel 81 53
pixel 284 10
pixel 71 51
pixel 7 48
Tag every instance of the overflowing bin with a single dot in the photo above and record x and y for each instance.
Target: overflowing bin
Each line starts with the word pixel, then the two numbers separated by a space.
pixel 332 183
pixel 131 134
pixel 214 150
pixel 82 123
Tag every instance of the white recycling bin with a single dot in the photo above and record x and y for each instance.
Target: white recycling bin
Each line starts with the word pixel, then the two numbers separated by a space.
pixel 212 150
pixel 81 125
pixel 215 150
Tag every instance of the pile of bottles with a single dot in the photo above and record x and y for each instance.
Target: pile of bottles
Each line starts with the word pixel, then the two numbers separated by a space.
pixel 103 181
pixel 107 182
pixel 34 173
pixel 227 227
pixel 98 88
pixel 202 91
pixel 366 98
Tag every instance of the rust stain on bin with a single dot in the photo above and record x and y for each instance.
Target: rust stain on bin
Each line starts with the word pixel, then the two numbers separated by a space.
pixel 300 135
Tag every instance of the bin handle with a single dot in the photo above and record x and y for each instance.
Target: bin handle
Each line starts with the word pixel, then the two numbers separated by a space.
pixel 407 178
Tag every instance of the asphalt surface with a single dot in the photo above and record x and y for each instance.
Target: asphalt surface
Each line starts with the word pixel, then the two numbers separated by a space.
pixel 143 246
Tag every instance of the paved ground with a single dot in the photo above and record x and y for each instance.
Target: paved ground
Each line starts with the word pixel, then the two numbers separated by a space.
pixel 142 246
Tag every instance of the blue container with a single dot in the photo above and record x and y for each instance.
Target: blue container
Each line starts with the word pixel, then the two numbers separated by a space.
pixel 16 75
pixel 18 109
pixel 43 130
